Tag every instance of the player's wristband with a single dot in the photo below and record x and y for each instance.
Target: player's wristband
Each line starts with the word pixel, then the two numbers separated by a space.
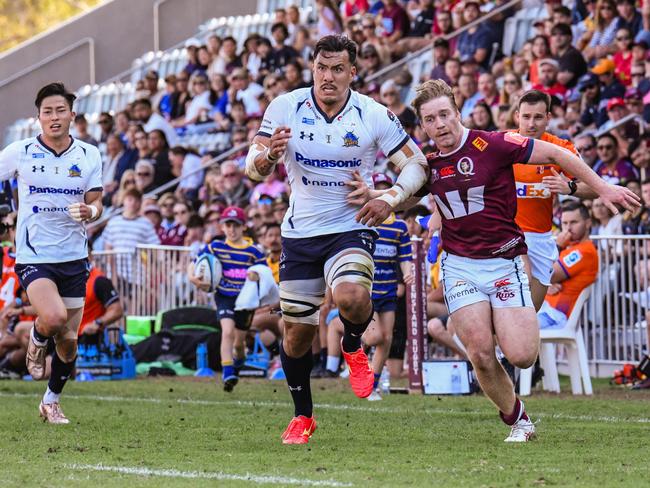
pixel 393 197
pixel 573 187
pixel 268 156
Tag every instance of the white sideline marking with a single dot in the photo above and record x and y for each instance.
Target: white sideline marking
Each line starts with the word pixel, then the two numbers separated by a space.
pixel 218 475
pixel 331 406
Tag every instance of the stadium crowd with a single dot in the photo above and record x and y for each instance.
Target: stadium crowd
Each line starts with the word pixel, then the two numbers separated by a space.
pixel 591 56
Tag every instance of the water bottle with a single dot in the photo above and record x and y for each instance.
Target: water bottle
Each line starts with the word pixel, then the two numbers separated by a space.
pixel 384 381
pixel 456 387
pixel 202 368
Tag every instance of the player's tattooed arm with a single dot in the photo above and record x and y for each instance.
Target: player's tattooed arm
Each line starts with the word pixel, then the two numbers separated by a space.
pixel 265 152
pixel 611 195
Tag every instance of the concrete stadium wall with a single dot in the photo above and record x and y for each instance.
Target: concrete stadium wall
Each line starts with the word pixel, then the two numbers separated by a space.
pixel 122 30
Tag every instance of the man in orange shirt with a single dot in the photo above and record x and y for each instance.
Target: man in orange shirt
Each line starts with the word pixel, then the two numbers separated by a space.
pixel 576 269
pixel 536 185
pixel 103 307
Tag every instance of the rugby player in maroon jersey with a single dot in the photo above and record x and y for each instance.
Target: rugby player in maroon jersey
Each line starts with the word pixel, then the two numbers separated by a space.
pixel 486 288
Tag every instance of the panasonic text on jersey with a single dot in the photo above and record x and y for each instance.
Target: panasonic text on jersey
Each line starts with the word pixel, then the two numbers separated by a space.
pixel 51 189
pixel 328 163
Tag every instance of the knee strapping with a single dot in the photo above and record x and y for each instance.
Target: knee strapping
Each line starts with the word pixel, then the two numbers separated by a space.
pixel 303 309
pixel 352 267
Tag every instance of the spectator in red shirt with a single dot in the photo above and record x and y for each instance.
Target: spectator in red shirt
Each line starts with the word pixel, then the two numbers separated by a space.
pixel 623 55
pixel 354 7
pixel 548 72
pixel 395 21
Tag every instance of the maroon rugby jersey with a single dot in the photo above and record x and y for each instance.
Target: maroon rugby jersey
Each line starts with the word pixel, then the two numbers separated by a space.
pixel 474 189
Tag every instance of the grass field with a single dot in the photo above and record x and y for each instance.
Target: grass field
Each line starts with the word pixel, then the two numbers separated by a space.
pixel 175 432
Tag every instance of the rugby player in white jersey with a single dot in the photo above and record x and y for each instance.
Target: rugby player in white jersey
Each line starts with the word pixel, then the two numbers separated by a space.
pixel 59 189
pixel 325 135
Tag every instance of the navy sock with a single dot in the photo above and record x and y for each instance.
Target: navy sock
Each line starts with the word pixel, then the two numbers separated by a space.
pixel 297 371
pixel 60 373
pixel 38 336
pixel 323 357
pixel 352 333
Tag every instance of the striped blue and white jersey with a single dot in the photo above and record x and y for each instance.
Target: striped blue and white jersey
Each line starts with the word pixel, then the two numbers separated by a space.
pixel 391 248
pixel 323 153
pixel 235 261
pixel 48 182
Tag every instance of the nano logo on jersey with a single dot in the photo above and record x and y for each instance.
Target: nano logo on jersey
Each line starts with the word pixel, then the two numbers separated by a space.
pixel 304 135
pixel 308 121
pixel 308 182
pixel 350 140
pixel 465 166
pixel 38 155
pixel 532 190
pixel 479 144
pixel 502 283
pixel 74 171
pixel 447 172
pixel 38 168
pixel 37 209
pixel 328 163
pixel 51 189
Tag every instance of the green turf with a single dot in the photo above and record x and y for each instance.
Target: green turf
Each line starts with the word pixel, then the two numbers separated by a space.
pixel 191 425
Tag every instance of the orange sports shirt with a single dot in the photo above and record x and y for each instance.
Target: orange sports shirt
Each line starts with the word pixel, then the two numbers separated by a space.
pixel 534 201
pixel 580 262
pixel 9 285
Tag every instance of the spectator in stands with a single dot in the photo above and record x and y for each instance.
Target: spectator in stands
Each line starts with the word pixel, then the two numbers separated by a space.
pixel 214 44
pixel 293 76
pixel 273 186
pixel 192 46
pixel 180 98
pixel 370 61
pixel 512 88
pixel 186 163
pixel 576 269
pixel 122 120
pixel 198 108
pixel 476 42
pixel 282 53
pixel 391 98
pixel 548 79
pixel 241 88
pixel 151 212
pixel 639 151
pixel 395 22
pixel 572 64
pixel 441 55
pixel 586 147
pixel 628 17
pixel 204 59
pixel 144 176
pixel 481 118
pixel 249 57
pixel 539 49
pixel 182 212
pixel 267 60
pixel 194 236
pixel 213 228
pixel 151 120
pixel 159 156
pixel 606 224
pixel 151 85
pixel 236 193
pixel 228 60
pixel 469 95
pixel 329 18
pixel 422 15
pixel 638 221
pixel 601 38
pixel 102 308
pixel 452 71
pixel 172 233
pixel 81 129
pixel 487 87
pixel 140 142
pixel 353 8
pixel 116 157
pixel 219 101
pixel 610 166
pixel 127 182
pixel 623 56
pixel 106 126
pixel 444 26
pixel 303 45
pixel 293 22
pixel 165 105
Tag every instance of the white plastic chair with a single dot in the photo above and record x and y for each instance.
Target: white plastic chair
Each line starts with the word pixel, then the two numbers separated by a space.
pixel 571 336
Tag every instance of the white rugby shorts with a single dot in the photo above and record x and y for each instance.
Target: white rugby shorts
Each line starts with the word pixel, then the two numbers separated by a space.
pixel 542 254
pixel 502 282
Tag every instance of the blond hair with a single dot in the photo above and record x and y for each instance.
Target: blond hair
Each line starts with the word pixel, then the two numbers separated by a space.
pixel 430 90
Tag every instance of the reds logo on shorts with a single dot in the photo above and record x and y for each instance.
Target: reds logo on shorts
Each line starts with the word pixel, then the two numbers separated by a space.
pixel 505 294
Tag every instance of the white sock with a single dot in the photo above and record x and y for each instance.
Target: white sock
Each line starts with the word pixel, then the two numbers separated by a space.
pixel 36 341
pixel 50 397
pixel 333 363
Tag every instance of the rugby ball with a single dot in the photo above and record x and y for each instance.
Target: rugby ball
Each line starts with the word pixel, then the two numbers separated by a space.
pixel 208 269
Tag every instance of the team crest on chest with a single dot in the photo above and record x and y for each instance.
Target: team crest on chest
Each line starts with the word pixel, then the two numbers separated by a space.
pixel 74 171
pixel 465 166
pixel 350 140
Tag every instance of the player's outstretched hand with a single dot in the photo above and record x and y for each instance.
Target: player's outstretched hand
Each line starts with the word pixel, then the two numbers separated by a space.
pixel 374 213
pixel 614 194
pixel 558 183
pixel 279 141
pixel 360 193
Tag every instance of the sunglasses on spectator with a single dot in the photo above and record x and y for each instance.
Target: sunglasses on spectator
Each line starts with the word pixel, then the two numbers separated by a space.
pixel 140 173
pixel 104 121
pixel 129 182
pixel 255 216
pixel 229 175
pixel 637 74
pixel 200 82
pixel 510 82
pixel 169 204
pixel 605 147
pixel 622 38
pixel 585 148
pixel 185 80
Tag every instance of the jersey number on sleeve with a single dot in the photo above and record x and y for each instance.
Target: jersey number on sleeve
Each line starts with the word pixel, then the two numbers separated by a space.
pixel 457 208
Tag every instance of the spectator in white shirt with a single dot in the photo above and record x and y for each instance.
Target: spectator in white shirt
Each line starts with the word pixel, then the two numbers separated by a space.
pixel 151 120
pixel 246 91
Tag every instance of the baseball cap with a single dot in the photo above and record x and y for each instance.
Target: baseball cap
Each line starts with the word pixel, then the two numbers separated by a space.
pixel 440 42
pixel 152 74
pixel 550 61
pixel 192 42
pixel 151 208
pixel 379 178
pixel 603 66
pixel 615 102
pixel 587 81
pixel 233 214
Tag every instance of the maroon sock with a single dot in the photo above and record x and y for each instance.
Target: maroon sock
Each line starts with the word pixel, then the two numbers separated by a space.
pixel 518 412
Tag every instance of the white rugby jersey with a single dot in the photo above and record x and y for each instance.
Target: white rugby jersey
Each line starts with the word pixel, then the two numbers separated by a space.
pixel 47 184
pixel 322 154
